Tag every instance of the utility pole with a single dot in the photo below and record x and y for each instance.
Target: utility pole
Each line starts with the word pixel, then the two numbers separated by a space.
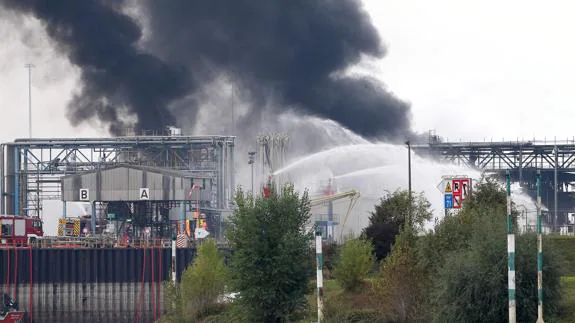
pixel 539 253
pixel 251 162
pixel 29 67
pixel 555 186
pixel 510 256
pixel 409 180
pixel 319 275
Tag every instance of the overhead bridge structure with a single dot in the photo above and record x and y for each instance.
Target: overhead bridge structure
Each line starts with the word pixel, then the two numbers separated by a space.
pixel 555 160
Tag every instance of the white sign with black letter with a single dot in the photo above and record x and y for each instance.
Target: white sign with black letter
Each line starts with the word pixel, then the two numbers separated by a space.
pixel 84 194
pixel 144 193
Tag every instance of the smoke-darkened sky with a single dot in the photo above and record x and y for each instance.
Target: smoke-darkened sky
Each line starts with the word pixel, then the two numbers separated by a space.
pixel 291 52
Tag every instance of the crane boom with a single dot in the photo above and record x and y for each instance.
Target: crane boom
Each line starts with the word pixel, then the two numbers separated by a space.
pixel 353 196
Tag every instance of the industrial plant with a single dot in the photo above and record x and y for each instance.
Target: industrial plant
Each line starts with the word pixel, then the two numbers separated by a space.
pixel 144 195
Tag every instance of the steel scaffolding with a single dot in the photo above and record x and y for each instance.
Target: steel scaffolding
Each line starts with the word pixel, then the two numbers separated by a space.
pixel 31 169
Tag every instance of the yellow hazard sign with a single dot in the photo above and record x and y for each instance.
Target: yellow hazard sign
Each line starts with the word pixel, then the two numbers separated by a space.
pixel 448 187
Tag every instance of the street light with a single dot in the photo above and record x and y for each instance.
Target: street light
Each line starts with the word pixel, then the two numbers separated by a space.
pixel 409 178
pixel 29 67
pixel 251 161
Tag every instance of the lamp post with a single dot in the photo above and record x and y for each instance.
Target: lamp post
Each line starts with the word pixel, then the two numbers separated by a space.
pixel 29 67
pixel 409 179
pixel 251 162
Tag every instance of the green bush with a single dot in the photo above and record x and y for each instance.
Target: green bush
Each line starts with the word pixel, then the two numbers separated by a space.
pixel 354 263
pixel 471 286
pixel 400 290
pixel 201 285
pixel 203 282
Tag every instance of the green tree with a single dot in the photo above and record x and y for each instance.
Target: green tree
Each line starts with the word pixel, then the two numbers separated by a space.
pixel 400 290
pixel 354 262
pixel 390 216
pixel 271 253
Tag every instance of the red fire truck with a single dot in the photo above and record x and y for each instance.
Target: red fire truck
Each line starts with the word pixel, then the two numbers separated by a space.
pixel 18 230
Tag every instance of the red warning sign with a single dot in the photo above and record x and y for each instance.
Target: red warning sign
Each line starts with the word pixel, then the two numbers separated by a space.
pixel 456 201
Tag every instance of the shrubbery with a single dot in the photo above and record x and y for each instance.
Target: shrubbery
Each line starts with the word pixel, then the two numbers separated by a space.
pixel 354 263
pixel 201 285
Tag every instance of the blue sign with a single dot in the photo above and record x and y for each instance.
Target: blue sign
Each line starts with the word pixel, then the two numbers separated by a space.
pixel 448 201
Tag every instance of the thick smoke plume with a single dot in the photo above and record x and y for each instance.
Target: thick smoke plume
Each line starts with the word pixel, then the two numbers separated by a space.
pixel 292 51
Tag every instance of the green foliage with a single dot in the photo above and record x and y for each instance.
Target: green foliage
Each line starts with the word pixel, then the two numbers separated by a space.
pixel 454 231
pixel 336 309
pixel 201 285
pixel 390 216
pixel 568 304
pixel 400 290
pixel 355 261
pixel 271 253
pixel 204 281
pixel 466 257
pixel 329 253
pixel 526 278
pixel 567 246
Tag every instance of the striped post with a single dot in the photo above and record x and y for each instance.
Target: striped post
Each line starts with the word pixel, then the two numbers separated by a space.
pixel 510 255
pixel 319 279
pixel 539 253
pixel 174 260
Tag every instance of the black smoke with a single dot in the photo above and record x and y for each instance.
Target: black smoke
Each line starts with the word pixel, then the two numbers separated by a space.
pixel 292 50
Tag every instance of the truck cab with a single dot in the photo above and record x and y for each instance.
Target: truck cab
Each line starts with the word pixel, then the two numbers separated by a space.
pixel 18 230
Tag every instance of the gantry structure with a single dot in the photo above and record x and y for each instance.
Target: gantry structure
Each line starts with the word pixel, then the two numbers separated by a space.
pixel 554 159
pixel 32 169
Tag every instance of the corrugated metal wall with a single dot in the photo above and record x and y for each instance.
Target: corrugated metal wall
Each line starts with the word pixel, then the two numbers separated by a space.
pixel 88 285
pixel 124 183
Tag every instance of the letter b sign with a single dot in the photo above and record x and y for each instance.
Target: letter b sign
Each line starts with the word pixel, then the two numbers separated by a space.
pixel 84 194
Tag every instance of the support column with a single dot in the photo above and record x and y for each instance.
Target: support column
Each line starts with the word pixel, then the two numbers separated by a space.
pixel 10 181
pixel 182 221
pixel 93 218
pixel 510 255
pixel 64 209
pixel 17 181
pixel 2 209
pixel 520 166
pixel 233 171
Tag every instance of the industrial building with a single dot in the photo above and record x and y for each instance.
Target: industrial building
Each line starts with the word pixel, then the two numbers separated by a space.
pixel 150 182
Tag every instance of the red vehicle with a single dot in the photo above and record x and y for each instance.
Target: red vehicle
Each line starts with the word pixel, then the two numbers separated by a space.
pixel 18 230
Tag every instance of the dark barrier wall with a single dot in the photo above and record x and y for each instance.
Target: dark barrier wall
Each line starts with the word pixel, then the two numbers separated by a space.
pixel 93 265
pixel 87 285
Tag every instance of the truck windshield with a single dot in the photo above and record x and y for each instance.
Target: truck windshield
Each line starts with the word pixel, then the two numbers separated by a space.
pixel 37 224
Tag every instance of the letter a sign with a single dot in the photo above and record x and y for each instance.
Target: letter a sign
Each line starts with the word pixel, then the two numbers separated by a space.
pixel 144 193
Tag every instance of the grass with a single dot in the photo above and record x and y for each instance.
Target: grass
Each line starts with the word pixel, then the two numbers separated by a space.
pixel 568 307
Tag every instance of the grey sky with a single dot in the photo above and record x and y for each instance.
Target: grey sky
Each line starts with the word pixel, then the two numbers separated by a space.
pixel 471 69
